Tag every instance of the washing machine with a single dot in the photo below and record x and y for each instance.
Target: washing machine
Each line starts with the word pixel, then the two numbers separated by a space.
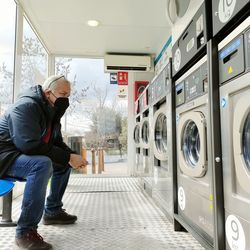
pixel 194 173
pixel 234 65
pixel 225 10
pixel 162 191
pixel 145 135
pixel 137 140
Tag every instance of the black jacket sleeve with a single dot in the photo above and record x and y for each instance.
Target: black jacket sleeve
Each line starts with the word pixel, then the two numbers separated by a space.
pixel 60 143
pixel 26 133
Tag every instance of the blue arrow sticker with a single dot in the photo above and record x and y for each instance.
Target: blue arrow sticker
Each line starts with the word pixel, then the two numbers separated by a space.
pixel 177 118
pixel 223 102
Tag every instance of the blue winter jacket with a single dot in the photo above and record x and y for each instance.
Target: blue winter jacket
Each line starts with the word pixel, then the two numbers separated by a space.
pixel 24 126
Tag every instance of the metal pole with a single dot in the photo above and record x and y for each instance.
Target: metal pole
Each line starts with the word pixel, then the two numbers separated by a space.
pixel 7 211
pixel 215 145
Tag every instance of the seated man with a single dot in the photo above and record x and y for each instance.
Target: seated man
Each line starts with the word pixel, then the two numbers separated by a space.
pixel 31 147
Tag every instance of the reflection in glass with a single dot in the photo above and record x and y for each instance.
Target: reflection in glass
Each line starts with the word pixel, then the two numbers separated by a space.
pixel 191 144
pixel 246 141
pixel 34 59
pixel 161 133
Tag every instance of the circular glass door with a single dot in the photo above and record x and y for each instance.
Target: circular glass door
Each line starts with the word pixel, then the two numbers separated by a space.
pixel 191 144
pixel 161 133
pixel 246 141
pixel 137 134
pixel 145 132
pixel 241 141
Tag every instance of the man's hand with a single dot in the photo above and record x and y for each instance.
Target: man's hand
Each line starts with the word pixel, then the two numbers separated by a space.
pixel 76 161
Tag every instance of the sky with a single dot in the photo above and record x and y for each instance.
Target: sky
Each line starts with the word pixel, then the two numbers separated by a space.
pixel 7 32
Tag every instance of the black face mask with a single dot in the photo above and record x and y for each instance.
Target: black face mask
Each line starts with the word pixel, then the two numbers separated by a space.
pixel 61 104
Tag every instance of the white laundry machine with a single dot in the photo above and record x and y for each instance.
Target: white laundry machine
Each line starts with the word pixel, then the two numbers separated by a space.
pixel 234 65
pixel 162 191
pixel 145 135
pixel 137 140
pixel 194 173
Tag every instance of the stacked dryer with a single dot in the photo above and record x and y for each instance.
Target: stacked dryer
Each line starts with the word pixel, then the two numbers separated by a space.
pixel 162 191
pixel 234 65
pixel 194 173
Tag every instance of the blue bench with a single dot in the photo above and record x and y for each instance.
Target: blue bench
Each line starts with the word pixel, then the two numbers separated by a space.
pixel 6 186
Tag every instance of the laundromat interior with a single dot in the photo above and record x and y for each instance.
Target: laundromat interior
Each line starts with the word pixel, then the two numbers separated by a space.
pixel 178 176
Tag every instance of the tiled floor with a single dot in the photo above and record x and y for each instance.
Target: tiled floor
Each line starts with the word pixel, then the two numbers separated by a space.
pixel 112 214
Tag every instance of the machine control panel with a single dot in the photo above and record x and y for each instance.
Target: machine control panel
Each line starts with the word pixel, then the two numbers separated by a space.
pixel 193 86
pixel 231 59
pixel 151 93
pixel 159 85
pixel 196 84
pixel 180 93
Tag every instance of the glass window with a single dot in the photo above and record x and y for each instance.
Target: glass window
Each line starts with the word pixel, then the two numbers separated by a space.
pixel 191 144
pixel 34 59
pixel 161 133
pixel 95 113
pixel 7 46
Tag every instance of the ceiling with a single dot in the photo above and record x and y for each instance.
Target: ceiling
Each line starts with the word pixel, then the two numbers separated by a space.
pixel 126 26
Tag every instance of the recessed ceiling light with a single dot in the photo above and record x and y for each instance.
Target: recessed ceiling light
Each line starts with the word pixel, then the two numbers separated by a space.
pixel 93 23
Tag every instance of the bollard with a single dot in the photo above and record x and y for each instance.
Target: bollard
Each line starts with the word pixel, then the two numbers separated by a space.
pixel 84 156
pixel 102 160
pixel 93 161
pixel 99 161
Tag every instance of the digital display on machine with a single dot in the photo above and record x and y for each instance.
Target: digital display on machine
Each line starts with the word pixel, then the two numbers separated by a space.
pixel 230 48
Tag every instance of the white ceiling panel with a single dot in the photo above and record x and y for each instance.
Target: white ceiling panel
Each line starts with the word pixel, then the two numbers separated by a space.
pixel 126 26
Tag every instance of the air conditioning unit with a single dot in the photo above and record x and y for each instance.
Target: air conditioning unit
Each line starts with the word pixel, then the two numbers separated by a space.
pixel 114 62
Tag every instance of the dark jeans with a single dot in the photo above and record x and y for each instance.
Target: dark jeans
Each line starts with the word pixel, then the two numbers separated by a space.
pixel 37 169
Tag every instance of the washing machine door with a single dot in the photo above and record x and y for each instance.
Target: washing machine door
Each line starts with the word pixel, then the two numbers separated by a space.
pixel 137 134
pixel 160 134
pixel 191 144
pixel 241 142
pixel 145 132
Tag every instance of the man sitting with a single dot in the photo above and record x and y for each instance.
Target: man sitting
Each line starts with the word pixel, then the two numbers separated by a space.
pixel 32 148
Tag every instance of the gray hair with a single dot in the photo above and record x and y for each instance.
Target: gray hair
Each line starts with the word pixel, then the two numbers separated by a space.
pixel 52 82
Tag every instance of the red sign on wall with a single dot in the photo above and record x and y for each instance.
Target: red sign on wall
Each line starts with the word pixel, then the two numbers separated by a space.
pixel 122 78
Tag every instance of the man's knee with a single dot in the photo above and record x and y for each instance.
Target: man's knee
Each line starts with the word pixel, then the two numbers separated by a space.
pixel 43 164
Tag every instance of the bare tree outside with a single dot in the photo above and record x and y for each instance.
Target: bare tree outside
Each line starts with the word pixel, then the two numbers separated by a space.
pixel 6 88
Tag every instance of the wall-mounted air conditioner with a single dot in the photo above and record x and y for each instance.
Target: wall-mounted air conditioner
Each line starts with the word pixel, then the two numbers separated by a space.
pixel 114 62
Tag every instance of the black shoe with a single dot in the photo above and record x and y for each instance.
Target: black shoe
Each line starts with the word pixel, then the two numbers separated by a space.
pixel 61 218
pixel 32 241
